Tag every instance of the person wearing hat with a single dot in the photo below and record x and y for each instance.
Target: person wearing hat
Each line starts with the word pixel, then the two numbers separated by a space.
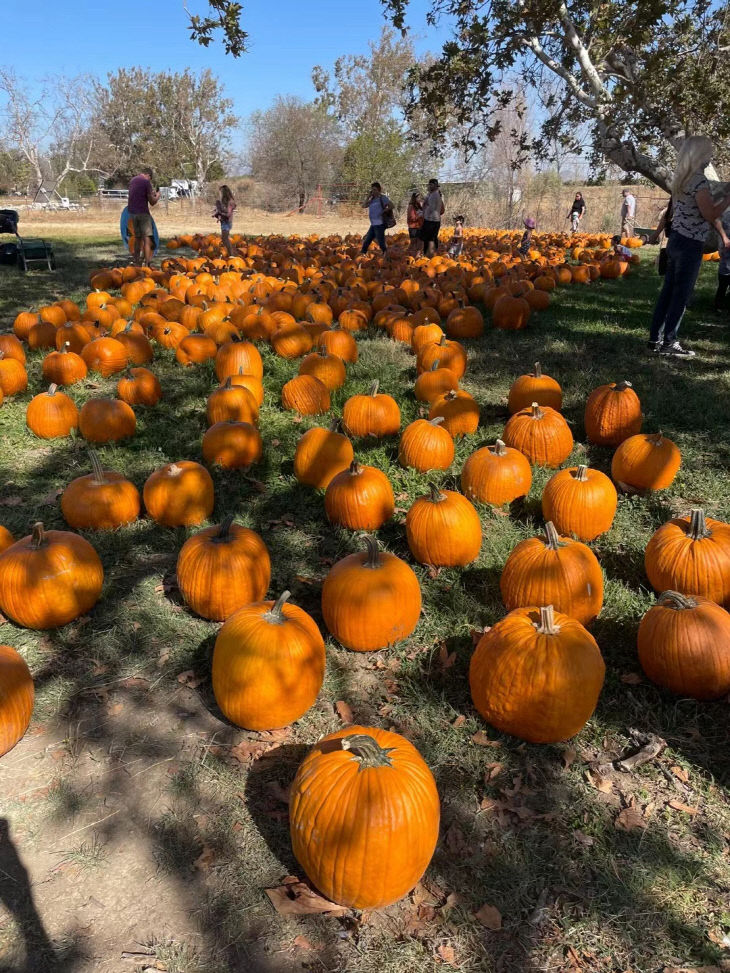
pixel 628 213
pixel 524 247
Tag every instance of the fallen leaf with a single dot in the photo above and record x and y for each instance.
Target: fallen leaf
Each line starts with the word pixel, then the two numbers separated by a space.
pixel 134 682
pixel 492 770
pixel 190 679
pixel 116 708
pixel 163 657
pixel 678 806
pixel 205 859
pixel 446 954
pixel 453 899
pixel 476 636
pixel 632 678
pixel 630 819
pixel 50 498
pixel 602 784
pixel 343 711
pixel 258 486
pixel 680 773
pixel 446 658
pixel 301 942
pixel 249 750
pixel 490 917
pixel 568 757
pixel 584 839
pixel 297 899
pixel 459 721
pixel 482 740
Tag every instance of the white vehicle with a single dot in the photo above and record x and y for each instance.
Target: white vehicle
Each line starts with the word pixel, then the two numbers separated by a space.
pixel 168 192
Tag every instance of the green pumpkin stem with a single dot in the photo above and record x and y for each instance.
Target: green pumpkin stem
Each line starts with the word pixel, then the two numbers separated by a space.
pixel 698 528
pixel 499 448
pixel 96 467
pixel 673 599
pixel 374 388
pixel 275 615
pixel 547 624
pixel 368 752
pixel 435 495
pixel 373 558
pixel 38 536
pixel 581 473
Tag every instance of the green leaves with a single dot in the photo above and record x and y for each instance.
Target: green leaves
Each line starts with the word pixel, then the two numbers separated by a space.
pixel 225 17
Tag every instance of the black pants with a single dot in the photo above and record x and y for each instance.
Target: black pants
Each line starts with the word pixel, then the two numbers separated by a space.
pixel 430 234
pixel 723 282
pixel 374 233
pixel 684 259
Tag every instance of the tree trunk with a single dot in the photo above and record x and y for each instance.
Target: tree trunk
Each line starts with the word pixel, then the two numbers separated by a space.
pixel 302 200
pixel 629 158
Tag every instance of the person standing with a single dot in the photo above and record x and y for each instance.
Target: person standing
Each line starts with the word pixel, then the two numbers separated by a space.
pixel 577 212
pixel 141 196
pixel 433 210
pixel 692 209
pixel 224 207
pixel 524 247
pixel 414 219
pixel 722 225
pixel 628 213
pixel 379 207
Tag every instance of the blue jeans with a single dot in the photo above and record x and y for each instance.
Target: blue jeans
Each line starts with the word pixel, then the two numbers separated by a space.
pixel 374 233
pixel 684 259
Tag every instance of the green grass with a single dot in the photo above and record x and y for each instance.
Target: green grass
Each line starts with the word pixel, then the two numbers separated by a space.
pixel 548 855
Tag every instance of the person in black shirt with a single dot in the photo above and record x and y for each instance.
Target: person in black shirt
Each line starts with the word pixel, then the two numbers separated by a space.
pixel 577 212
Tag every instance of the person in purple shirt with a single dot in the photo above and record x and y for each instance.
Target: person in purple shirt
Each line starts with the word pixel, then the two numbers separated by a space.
pixel 142 195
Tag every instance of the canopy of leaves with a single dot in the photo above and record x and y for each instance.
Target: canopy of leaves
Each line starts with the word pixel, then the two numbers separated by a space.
pixel 224 16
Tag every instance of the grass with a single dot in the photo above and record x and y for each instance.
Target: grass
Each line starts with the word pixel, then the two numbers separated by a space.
pixel 525 828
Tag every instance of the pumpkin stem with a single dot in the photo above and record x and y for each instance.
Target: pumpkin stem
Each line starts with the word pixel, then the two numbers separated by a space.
pixel 673 599
pixel 374 387
pixel 227 384
pixel 547 624
pixel 553 538
pixel 38 536
pixel 373 558
pixel 537 412
pixel 435 495
pixel 52 388
pixel 96 467
pixel 66 346
pixel 355 468
pixel 499 448
pixel 336 425
pixel 436 364
pixel 581 473
pixel 275 615
pixel 622 386
pixel 368 752
pixel 437 421
pixel 538 370
pixel 657 439
pixel 697 526
pixel 225 528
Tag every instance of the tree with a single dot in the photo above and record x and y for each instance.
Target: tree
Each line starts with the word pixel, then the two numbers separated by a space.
pixel 178 123
pixel 383 155
pixel 643 74
pixel 55 132
pixel 224 16
pixel 294 146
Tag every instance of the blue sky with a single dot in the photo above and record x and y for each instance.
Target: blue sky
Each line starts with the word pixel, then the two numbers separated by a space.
pixel 287 38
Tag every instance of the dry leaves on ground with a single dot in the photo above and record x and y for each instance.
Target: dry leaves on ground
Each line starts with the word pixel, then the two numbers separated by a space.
pixel 190 679
pixel 343 711
pixel 294 898
pixel 446 953
pixel 630 819
pixel 490 917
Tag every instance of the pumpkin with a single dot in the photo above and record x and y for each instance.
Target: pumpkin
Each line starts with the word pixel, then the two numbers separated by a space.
pixel 425 334
pixel 11 347
pixel 580 501
pixel 541 434
pixel 194 349
pixel 496 475
pixel 250 382
pixel 329 369
pixel 465 322
pixel 374 414
pixel 291 341
pixel 340 343
pixel 51 414
pixel 360 498
pixel 179 494
pixel 425 445
pixel 137 346
pixel 537 674
pixel 364 816
pixel 6 538
pixel 221 569
pixel 232 403
pixel 443 529
pixel 684 645
pixel 268 664
pixel 17 695
pixel 321 454
pixel 691 555
pixel 105 355
pixel 23 323
pixel 42 335
pixel 613 413
pixel 511 313
pixel 101 500
pixel 449 354
pixel 371 600
pixel 139 386
pixel 434 383
pixel 534 387
pixel 305 395
pixel 106 421
pixel 558 570
pixel 13 376
pixel 232 445
pixel 458 410
pixel 236 355
pixel 49 578
pixel 645 462
pixel 64 367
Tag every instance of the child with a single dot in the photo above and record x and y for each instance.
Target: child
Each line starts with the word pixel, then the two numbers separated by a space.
pixel 723 268
pixel 524 247
pixel 224 207
pixel 619 250
pixel 457 239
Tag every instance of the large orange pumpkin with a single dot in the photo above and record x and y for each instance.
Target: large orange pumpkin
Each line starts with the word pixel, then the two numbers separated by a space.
pixel 534 387
pixel 320 454
pixel 51 414
pixel 102 500
pixel 179 494
pixel 580 501
pixel 691 555
pixel 613 413
pixel 16 698
pixel 425 445
pixel 374 414
pixel 443 529
pixel 305 395
pixel 359 497
pixel 364 816
pixel 646 462
pixel 496 474
pixel 106 420
pixel 541 433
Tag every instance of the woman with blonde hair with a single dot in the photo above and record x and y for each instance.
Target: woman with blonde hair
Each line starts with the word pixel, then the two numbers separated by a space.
pixel 692 208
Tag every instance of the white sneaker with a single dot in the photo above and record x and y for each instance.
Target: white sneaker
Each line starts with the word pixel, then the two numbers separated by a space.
pixel 676 350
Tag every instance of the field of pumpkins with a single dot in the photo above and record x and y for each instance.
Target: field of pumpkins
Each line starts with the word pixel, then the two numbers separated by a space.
pixel 318 493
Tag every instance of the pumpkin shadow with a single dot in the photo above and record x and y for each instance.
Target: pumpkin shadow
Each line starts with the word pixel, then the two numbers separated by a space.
pixel 267 784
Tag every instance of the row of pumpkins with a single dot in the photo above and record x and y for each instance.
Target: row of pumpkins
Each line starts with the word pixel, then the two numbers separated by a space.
pixel 269 657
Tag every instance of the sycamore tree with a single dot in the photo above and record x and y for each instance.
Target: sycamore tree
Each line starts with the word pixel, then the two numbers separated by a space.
pixel 641 74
